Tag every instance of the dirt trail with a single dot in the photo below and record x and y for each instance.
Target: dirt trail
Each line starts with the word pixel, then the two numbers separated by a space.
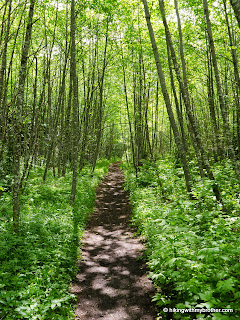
pixel 112 282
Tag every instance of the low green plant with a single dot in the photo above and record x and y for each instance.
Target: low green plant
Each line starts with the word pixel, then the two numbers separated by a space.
pixel 38 264
pixel 192 246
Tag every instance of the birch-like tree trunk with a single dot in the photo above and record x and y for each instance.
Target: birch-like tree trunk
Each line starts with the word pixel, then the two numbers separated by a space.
pixel 220 92
pixel 236 71
pixel 18 120
pixel 101 103
pixel 167 101
pixel 128 115
pixel 4 64
pixel 186 98
pixel 75 107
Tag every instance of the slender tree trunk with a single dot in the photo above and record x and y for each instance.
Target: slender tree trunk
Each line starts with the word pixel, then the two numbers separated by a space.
pixel 61 106
pixel 75 108
pixel 100 111
pixel 67 134
pixel 236 7
pixel 128 114
pixel 187 102
pixel 179 113
pixel 3 67
pixel 184 71
pixel 5 108
pixel 236 72
pixel 53 111
pixel 167 102
pixel 217 150
pixel 220 92
pixel 89 90
pixel 18 123
pixel 3 22
pixel 155 120
pixel 32 134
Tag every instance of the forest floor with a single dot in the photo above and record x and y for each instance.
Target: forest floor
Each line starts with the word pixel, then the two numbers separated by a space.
pixel 111 283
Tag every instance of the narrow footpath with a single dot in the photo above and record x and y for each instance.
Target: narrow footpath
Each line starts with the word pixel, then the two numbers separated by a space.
pixel 112 282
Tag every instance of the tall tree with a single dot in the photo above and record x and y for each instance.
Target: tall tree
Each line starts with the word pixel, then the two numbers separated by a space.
pixel 202 157
pixel 101 100
pixel 75 108
pixel 167 101
pixel 220 91
pixel 18 116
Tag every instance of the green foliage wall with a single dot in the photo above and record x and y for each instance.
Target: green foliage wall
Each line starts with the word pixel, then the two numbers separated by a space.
pixel 192 246
pixel 37 265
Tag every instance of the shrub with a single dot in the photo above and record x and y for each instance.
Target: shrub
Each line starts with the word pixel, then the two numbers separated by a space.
pixel 37 264
pixel 192 246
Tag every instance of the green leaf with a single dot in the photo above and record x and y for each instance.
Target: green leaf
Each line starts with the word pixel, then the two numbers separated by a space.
pixel 226 285
pixel 206 296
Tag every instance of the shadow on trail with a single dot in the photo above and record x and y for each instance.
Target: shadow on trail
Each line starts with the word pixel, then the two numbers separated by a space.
pixel 112 282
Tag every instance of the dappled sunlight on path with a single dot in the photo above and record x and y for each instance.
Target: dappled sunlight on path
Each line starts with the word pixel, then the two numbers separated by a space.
pixel 112 282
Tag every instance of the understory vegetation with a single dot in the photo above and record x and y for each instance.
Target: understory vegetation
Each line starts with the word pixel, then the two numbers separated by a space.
pixel 192 245
pixel 38 263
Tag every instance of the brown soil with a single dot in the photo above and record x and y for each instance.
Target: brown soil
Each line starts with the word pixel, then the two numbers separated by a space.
pixel 112 282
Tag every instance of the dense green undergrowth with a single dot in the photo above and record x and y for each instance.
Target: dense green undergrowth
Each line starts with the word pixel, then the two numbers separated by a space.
pixel 38 264
pixel 192 246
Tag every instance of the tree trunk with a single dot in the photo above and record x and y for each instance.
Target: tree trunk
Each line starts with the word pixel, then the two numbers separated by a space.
pixel 3 68
pixel 167 102
pixel 220 92
pixel 187 102
pixel 75 108
pixel 236 7
pixel 128 115
pixel 18 121
pixel 236 72
pixel 100 106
